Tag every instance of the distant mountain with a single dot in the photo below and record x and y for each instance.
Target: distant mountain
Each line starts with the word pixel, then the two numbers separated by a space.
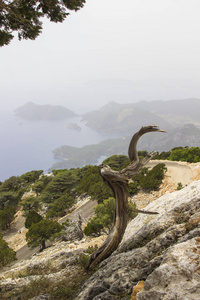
pixel 115 118
pixel 33 112
pixel 186 135
pixel 177 112
pixel 73 157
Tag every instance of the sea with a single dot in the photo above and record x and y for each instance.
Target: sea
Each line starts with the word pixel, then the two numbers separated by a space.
pixel 28 145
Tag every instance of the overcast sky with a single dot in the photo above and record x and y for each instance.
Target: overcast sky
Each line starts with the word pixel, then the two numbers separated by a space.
pixel 111 50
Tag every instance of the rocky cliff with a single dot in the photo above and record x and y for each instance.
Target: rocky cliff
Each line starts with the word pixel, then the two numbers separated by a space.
pixel 159 252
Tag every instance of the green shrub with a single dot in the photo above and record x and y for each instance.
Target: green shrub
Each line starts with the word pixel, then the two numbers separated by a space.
pixel 105 216
pixel 6 216
pixel 117 162
pixel 59 206
pixel 61 183
pixel 42 231
pixel 6 254
pixel 152 179
pixel 92 184
pixel 32 218
pixel 179 186
pixel 41 183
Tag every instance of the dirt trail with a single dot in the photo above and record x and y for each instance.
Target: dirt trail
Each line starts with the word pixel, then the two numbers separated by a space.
pixel 176 171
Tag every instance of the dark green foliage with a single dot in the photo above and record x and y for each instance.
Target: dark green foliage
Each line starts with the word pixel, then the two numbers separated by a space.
pixel 41 184
pixel 62 182
pixel 117 162
pixel 179 186
pixel 12 189
pixel 6 254
pixel 94 227
pixel 191 155
pixel 24 17
pixel 131 213
pixel 133 188
pixel 30 203
pixel 11 184
pixel 142 153
pixel 32 218
pixel 9 198
pixel 30 177
pixel 92 184
pixel 150 180
pixel 104 219
pixel 59 206
pixel 40 232
pixel 6 216
pixel 162 155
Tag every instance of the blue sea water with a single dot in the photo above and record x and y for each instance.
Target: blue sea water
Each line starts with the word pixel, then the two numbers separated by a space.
pixel 29 145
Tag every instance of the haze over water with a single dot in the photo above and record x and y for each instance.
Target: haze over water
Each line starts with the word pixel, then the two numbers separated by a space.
pixel 29 145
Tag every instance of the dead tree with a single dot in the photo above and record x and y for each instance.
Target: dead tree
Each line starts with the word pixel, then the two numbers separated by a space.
pixel 118 182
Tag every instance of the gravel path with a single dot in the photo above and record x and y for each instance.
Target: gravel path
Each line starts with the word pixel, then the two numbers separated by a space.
pixel 177 171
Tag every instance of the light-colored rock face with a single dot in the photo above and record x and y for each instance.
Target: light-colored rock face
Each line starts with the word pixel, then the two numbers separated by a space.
pixel 163 205
pixel 178 277
pixel 162 250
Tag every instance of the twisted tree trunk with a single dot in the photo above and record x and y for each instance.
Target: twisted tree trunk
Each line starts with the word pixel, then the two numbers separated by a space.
pixel 118 182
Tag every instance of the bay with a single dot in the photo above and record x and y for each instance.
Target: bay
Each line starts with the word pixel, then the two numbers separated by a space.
pixel 29 145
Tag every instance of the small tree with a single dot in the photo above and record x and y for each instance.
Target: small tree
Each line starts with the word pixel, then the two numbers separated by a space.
pixel 6 216
pixel 62 182
pixel 105 215
pixel 117 162
pixel 32 218
pixel 30 177
pixel 92 184
pixel 59 206
pixel 6 254
pixel 40 232
pixel 41 183
pixel 8 198
pixel 30 203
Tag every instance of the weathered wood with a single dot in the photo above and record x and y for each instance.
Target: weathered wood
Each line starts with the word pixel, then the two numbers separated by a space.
pixel 118 182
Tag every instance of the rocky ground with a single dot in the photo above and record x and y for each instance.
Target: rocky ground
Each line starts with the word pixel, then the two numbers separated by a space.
pixel 158 257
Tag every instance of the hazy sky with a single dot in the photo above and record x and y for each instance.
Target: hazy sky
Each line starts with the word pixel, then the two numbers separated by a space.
pixel 111 50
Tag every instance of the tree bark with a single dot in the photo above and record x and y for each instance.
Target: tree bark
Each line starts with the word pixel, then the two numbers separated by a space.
pixel 118 182
pixel 43 245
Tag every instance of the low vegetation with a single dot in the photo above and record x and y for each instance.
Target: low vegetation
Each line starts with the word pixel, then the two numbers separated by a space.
pixel 191 155
pixel 6 254
pixel 56 193
pixel 104 219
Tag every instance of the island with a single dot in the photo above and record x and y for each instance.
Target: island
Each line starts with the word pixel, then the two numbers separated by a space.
pixel 34 112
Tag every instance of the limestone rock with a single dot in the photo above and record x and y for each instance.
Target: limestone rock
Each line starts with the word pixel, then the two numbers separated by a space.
pixel 178 277
pixel 162 250
pixel 73 232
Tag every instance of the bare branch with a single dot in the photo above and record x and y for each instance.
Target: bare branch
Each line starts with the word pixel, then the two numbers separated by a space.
pixel 118 182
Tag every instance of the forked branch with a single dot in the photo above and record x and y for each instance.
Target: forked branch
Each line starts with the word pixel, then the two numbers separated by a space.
pixel 118 182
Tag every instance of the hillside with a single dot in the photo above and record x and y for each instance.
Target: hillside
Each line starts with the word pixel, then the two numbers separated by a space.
pixel 156 249
pixel 118 118
pixel 115 118
pixel 177 112
pixel 33 112
pixel 73 157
